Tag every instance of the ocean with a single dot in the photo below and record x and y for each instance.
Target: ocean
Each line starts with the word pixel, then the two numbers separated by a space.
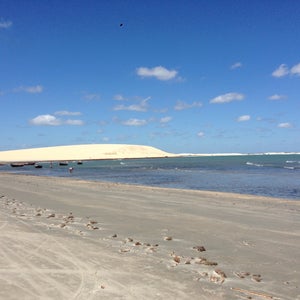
pixel 264 175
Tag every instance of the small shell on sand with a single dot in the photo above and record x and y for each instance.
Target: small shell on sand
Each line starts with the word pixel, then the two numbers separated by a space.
pixel 204 261
pixel 114 235
pixel 199 248
pixel 168 238
pixel 221 273
pixel 51 216
pixel 256 277
pixel 177 259
pixel 124 250
pixel 241 274
pixel 218 276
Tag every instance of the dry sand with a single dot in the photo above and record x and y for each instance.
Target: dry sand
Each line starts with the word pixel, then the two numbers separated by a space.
pixel 81 152
pixel 71 239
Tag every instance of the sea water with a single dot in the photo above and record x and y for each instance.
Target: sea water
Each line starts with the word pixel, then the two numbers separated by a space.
pixel 265 175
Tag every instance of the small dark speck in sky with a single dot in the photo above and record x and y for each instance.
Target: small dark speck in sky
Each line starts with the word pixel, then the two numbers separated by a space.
pixel 121 24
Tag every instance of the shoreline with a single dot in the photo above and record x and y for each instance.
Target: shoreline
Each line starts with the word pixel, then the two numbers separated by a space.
pixel 88 152
pixel 64 238
pixel 120 184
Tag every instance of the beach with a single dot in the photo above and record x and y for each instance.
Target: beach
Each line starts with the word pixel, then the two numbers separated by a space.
pixel 63 238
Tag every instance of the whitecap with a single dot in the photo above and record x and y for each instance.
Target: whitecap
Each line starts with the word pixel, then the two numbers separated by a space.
pixel 290 168
pixel 253 164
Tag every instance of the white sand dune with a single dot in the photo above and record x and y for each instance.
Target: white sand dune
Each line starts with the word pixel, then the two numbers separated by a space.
pixel 82 152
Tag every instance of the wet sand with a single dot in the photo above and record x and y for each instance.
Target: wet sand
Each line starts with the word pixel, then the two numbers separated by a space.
pixel 71 239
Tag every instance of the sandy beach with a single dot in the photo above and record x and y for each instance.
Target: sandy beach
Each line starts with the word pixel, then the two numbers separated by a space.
pixel 72 239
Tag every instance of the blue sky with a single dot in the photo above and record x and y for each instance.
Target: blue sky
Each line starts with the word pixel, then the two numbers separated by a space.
pixel 183 76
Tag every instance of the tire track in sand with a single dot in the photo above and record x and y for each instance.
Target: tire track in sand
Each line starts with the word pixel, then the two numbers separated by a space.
pixel 35 260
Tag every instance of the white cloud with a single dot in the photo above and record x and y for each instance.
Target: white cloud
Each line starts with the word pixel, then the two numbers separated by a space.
pixel 281 71
pixel 47 120
pixel 74 122
pixel 30 89
pixel 50 120
pixel 243 118
pixel 285 125
pixel 158 72
pixel 67 113
pixel 236 65
pixel 200 134
pixel 5 24
pixel 295 70
pixel 142 106
pixel 180 105
pixel 165 120
pixel 119 97
pixel 229 97
pixel 277 97
pixel 134 122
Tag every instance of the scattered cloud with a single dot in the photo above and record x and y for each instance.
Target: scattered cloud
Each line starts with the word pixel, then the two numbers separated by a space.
pixel 50 120
pixel 74 122
pixel 165 120
pixel 36 89
pixel 119 97
pixel 45 120
pixel 142 106
pixel 266 120
pixel 200 134
pixel 91 97
pixel 180 105
pixel 277 97
pixel 159 72
pixel 243 118
pixel 236 65
pixel 5 24
pixel 135 122
pixel 285 125
pixel 295 70
pixel 225 98
pixel 67 113
pixel 283 70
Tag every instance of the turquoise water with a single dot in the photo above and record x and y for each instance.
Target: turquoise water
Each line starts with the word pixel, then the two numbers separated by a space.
pixel 266 175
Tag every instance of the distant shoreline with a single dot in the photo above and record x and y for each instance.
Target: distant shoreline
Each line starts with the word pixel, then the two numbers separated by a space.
pixel 238 154
pixel 102 152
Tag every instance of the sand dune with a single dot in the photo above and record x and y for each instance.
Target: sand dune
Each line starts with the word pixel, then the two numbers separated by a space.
pixel 82 152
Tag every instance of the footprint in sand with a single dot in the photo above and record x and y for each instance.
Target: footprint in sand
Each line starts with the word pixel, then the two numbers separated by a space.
pixel 254 277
